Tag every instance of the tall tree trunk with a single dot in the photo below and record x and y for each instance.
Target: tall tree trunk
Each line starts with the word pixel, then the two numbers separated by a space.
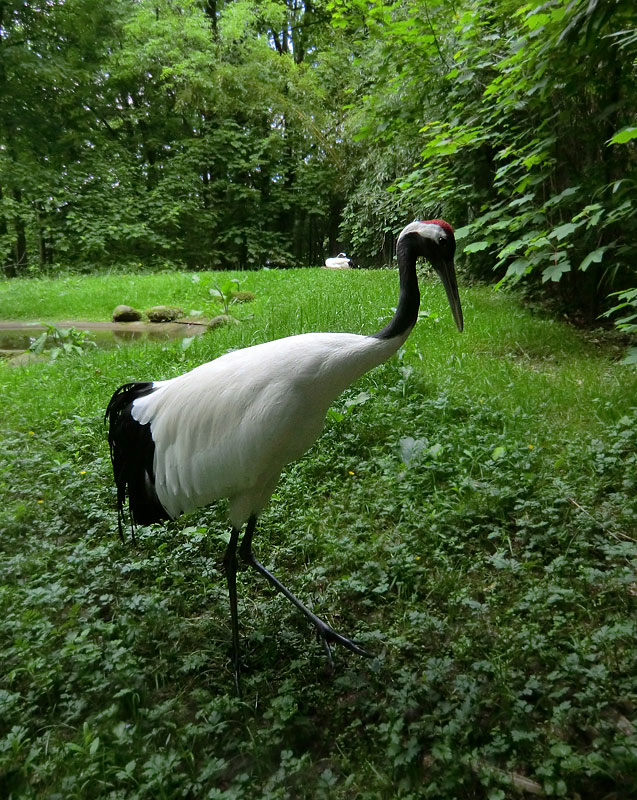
pixel 210 10
pixel 43 250
pixel 4 231
pixel 20 246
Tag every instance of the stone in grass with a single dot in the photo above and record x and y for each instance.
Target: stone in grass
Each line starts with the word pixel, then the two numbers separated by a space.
pixel 164 313
pixel 238 297
pixel 26 358
pixel 221 320
pixel 243 297
pixel 124 313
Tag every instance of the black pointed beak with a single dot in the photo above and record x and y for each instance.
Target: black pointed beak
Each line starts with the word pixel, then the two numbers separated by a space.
pixel 447 273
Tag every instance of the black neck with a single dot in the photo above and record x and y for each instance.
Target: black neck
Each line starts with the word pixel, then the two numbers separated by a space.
pixel 409 300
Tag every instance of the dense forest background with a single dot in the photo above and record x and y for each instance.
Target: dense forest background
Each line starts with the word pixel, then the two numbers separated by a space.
pixel 215 134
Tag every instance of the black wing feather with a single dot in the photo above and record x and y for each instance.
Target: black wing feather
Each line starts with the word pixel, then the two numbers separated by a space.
pixel 132 455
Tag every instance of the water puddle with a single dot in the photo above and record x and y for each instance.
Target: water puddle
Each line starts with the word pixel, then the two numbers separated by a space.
pixel 16 337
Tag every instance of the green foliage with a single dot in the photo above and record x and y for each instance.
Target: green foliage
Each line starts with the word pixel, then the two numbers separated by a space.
pixel 626 321
pixel 165 133
pixel 273 133
pixel 625 135
pixel 628 303
pixel 469 514
pixel 519 115
pixel 225 294
pixel 61 342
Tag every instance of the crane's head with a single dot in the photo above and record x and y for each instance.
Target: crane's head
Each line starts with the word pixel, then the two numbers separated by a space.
pixel 434 240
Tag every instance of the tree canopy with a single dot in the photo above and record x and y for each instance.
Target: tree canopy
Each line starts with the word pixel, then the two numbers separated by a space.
pixel 239 134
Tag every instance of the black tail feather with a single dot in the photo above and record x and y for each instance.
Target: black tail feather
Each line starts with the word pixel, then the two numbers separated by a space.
pixel 132 455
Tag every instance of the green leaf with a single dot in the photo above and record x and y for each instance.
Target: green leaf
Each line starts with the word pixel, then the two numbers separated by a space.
pixel 498 453
pixel 230 286
pixel 594 257
pixel 540 243
pixel 37 346
pixel 624 135
pixel 361 397
pixel 474 247
pixel 435 450
pixel 537 21
pixel 557 198
pixel 562 231
pixel 520 201
pixel 462 233
pixel 519 267
pixel 510 248
pixel 555 271
pixel 631 357
pixel 410 448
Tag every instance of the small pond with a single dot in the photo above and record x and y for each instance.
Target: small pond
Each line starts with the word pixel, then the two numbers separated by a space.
pixel 18 336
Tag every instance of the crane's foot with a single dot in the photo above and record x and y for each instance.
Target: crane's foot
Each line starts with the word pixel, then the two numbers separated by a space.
pixel 327 636
pixel 324 633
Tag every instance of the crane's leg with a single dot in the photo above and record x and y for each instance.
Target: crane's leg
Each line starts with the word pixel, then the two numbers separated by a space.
pixel 324 632
pixel 230 565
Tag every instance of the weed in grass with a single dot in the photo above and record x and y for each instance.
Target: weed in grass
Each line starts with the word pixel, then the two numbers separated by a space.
pixel 61 342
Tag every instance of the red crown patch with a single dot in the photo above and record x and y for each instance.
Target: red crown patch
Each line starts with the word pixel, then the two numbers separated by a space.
pixel 440 222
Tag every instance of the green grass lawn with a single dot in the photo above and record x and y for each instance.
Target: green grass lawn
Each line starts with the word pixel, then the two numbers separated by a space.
pixel 469 515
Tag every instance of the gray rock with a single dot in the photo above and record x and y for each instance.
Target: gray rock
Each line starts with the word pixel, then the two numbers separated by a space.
pixel 243 297
pixel 22 359
pixel 164 313
pixel 221 320
pixel 126 314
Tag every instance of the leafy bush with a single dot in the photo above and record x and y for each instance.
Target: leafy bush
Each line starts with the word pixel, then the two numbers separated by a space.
pixel 626 323
pixel 519 115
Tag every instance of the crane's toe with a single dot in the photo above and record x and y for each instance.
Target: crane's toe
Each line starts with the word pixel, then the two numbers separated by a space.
pixel 329 636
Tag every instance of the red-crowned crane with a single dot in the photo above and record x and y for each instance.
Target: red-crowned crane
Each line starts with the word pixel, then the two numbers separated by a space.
pixel 227 428
pixel 341 261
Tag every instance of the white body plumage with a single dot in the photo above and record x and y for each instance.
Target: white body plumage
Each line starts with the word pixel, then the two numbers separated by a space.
pixel 341 261
pixel 227 428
